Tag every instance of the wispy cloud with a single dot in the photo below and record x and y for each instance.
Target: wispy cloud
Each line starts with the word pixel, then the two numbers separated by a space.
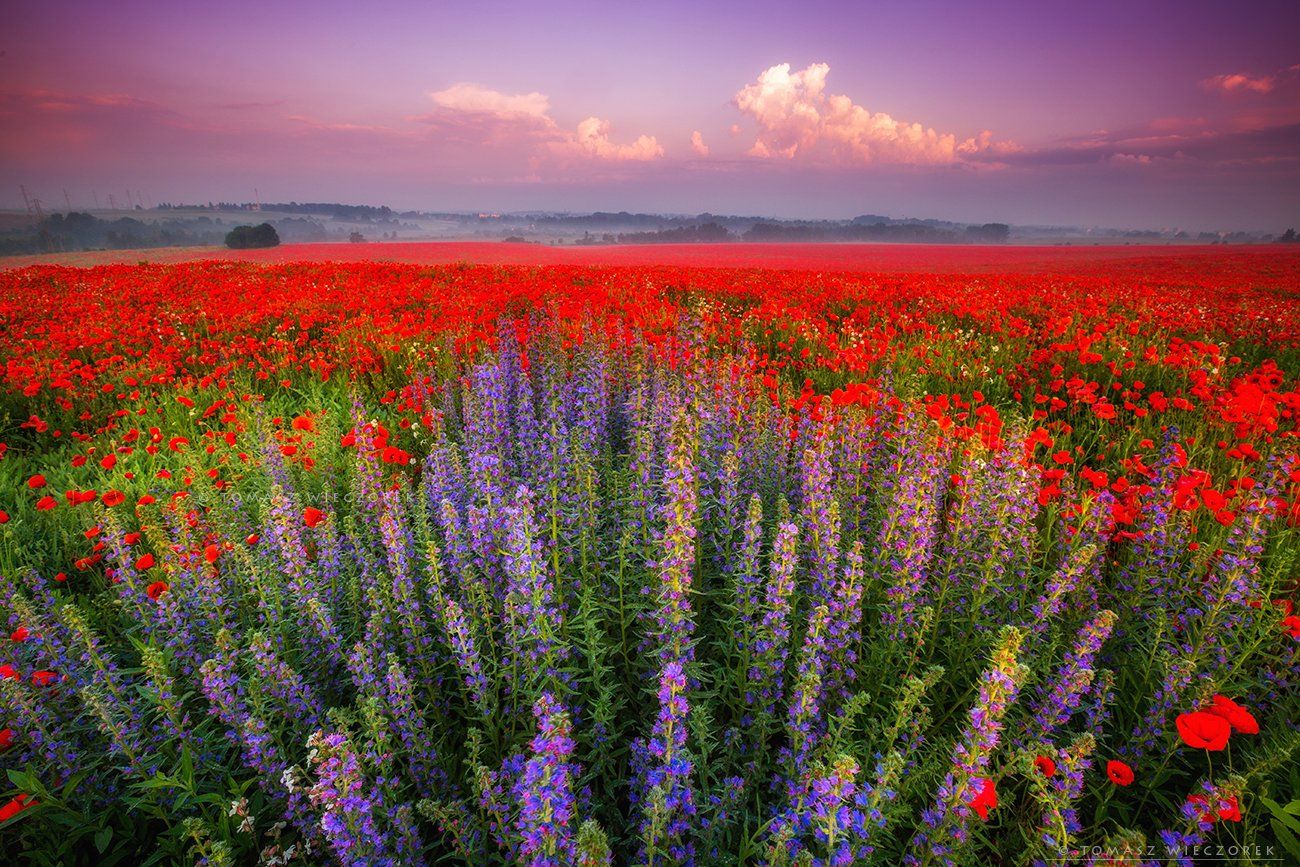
pixel 1240 82
pixel 473 99
pixel 250 105
pixel 1195 142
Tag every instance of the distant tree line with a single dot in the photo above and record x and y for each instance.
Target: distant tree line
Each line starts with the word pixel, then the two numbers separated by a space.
pixel 74 231
pixel 703 233
pixel 768 231
pixel 332 210
pixel 613 220
pixel 346 213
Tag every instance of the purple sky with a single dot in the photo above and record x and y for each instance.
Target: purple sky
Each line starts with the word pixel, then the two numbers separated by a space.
pixel 1120 114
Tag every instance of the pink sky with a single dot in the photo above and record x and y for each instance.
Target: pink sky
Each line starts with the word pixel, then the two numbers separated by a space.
pixel 1101 115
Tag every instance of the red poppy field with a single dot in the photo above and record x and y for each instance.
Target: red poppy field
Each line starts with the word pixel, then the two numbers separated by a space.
pixel 1190 263
pixel 726 555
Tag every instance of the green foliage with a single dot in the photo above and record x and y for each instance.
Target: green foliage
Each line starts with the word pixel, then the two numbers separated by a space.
pixel 252 237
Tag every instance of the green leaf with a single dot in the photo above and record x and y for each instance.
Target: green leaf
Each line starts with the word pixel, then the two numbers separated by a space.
pixel 102 838
pixel 1286 838
pixel 1283 815
pixel 158 782
pixel 71 785
pixel 18 778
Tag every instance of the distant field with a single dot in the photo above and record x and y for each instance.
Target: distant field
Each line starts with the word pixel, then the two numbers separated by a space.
pixel 819 257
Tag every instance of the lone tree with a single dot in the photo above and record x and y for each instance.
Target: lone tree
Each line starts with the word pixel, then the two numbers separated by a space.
pixel 1288 237
pixel 248 237
pixel 989 233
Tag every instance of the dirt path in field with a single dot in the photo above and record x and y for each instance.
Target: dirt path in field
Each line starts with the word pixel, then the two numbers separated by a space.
pixel 899 258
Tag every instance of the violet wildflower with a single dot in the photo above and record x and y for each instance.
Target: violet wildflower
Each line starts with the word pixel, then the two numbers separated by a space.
pixel 545 790
pixel 944 830
pixel 771 645
pixel 1060 697
pixel 666 799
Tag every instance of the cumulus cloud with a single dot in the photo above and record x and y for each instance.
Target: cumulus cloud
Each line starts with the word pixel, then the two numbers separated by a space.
pixel 593 139
pixel 698 145
pixel 1240 82
pixel 796 117
pixel 472 113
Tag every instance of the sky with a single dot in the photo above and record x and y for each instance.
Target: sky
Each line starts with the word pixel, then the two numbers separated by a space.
pixel 1133 115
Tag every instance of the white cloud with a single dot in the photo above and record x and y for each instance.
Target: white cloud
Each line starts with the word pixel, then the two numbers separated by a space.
pixel 473 98
pixel 698 145
pixel 471 113
pixel 797 118
pixel 593 139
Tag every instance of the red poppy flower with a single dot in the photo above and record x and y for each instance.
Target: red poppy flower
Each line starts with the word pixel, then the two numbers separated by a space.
pixel 156 590
pixel 76 498
pixel 46 503
pixel 1238 717
pixel 8 672
pixel 6 739
pixel 1230 810
pixel 1120 773
pixel 43 678
pixel 985 799
pixel 1202 805
pixel 36 482
pixel 211 553
pixel 1291 623
pixel 147 500
pixel 113 498
pixel 4 517
pixel 252 539
pixel 19 634
pixel 311 516
pixel 145 562
pixel 16 805
pixel 1045 766
pixel 1203 731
